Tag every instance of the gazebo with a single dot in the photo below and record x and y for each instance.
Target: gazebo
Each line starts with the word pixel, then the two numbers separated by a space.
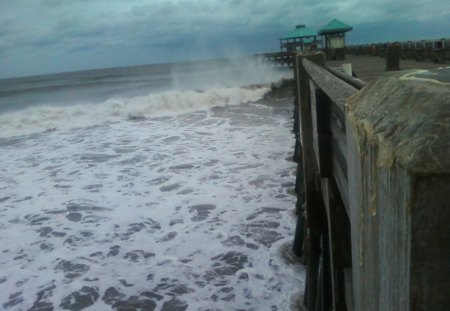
pixel 334 35
pixel 302 38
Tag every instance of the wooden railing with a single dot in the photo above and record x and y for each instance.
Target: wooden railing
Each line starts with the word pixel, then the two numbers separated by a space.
pixel 350 204
pixel 276 58
pixel 437 50
pixel 322 140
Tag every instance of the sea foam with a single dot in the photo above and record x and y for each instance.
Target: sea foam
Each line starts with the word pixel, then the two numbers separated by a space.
pixel 191 212
pixel 169 103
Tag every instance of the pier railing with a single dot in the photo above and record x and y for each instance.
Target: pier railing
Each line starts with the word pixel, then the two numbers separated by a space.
pixel 437 50
pixel 285 58
pixel 372 183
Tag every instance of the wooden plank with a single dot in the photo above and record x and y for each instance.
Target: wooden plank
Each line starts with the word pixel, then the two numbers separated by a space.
pixel 338 143
pixel 312 274
pixel 309 175
pixel 313 201
pixel 349 297
pixel 355 82
pixel 338 154
pixel 320 109
pixel 341 182
pixel 336 89
pixel 300 228
pixel 393 57
pixel 314 121
pixel 338 115
pixel 354 159
pixel 369 68
pixel 339 135
pixel 339 241
pixel 327 197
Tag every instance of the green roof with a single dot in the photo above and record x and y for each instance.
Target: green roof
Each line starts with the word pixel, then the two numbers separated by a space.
pixel 301 31
pixel 335 26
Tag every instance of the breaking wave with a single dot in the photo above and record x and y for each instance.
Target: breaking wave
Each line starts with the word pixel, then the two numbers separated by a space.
pixel 170 103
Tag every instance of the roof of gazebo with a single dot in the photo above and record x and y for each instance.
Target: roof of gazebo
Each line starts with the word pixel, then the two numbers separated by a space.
pixel 335 26
pixel 301 31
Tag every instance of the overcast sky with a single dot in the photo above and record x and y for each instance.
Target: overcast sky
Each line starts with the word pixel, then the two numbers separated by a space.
pixel 45 36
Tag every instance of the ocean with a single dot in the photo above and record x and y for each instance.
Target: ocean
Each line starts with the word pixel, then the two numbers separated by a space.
pixel 157 187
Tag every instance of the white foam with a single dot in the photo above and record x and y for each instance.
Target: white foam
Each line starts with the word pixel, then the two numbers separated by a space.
pixel 170 103
pixel 130 172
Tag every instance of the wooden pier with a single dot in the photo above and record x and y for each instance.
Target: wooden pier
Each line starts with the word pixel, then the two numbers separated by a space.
pixel 369 59
pixel 278 59
pixel 369 68
pixel 437 50
pixel 373 181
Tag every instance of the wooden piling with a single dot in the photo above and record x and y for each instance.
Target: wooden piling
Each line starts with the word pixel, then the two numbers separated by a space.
pixel 393 57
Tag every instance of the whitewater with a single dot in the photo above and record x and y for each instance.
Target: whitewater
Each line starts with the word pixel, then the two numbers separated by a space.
pixel 163 187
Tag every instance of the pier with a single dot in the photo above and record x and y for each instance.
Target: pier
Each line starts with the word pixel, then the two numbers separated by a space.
pixel 370 68
pixel 436 50
pixel 369 57
pixel 278 59
pixel 372 182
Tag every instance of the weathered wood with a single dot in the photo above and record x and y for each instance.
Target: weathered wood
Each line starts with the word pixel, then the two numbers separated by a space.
pixel 355 82
pixel 339 242
pixel 300 228
pixel 299 236
pixel 324 297
pixel 349 297
pixel 393 57
pixel 313 201
pixel 312 196
pixel 370 68
pixel 338 143
pixel 320 109
pixel 389 160
pixel 316 114
pixel 399 176
pixel 435 57
pixel 338 134
pixel 430 251
pixel 327 296
pixel 335 88
pixel 341 181
pixel 313 263
pixel 421 50
pixel 276 58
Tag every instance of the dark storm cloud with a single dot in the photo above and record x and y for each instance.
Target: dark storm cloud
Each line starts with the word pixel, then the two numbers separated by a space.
pixel 167 30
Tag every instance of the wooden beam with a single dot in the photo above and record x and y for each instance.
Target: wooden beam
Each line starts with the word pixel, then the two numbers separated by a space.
pixel 355 82
pixel 335 88
pixel 313 201
pixel 339 242
pixel 311 171
pixel 320 109
pixel 392 57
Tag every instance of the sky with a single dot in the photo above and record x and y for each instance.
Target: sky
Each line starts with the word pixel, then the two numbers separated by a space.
pixel 46 36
